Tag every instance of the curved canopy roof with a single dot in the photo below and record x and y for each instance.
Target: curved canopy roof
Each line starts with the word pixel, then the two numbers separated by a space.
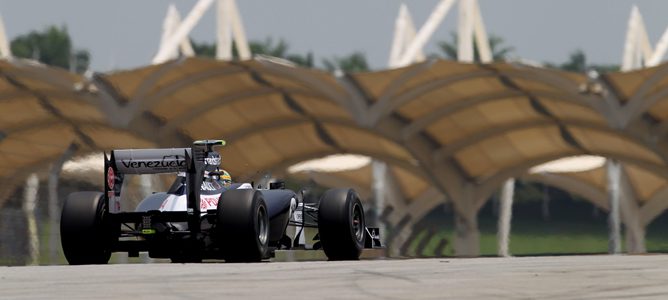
pixel 485 123
pixel 643 91
pixel 271 115
pixel 452 124
pixel 45 111
pixel 50 106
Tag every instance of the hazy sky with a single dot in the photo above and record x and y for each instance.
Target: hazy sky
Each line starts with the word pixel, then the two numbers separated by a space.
pixel 122 34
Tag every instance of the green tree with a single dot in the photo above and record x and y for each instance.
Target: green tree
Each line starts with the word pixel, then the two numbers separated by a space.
pixel 500 52
pixel 267 47
pixel 577 62
pixel 280 49
pixel 355 62
pixel 51 46
pixel 301 60
pixel 204 49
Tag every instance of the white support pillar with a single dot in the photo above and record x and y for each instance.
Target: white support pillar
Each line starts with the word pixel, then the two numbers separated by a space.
pixel 223 32
pixel 399 40
pixel 182 31
pixel 29 204
pixel 425 32
pixel 638 52
pixel 644 48
pixel 404 34
pixel 634 227
pixel 54 204
pixel 410 34
pixel 630 43
pixel 465 31
pixel 238 32
pixel 613 169
pixel 229 28
pixel 185 46
pixel 379 188
pixel 481 39
pixel 659 51
pixel 5 50
pixel 169 26
pixel 470 25
pixel 505 216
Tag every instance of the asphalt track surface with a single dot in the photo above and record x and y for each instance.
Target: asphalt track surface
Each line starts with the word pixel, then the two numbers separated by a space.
pixel 565 277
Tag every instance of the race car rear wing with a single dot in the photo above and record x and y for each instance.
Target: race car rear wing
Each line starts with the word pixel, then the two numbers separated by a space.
pixel 193 161
pixel 150 161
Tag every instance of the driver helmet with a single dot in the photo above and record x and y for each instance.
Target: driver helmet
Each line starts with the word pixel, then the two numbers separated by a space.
pixel 226 178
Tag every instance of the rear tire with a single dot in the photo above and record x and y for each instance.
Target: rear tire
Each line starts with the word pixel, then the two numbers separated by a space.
pixel 341 224
pixel 243 226
pixel 85 234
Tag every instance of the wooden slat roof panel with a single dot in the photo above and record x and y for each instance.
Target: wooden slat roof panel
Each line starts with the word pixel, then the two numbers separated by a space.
pixel 491 155
pixel 601 142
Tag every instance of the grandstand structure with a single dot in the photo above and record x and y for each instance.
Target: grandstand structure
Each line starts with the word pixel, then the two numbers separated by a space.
pixel 439 130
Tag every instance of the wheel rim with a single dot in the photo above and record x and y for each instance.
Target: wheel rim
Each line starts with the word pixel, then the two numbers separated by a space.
pixel 358 222
pixel 263 227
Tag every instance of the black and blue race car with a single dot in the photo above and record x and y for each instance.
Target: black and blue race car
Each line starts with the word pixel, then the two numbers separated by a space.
pixel 203 217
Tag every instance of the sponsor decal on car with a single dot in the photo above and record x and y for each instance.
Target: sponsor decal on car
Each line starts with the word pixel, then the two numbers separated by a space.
pixel 114 202
pixel 111 178
pixel 168 162
pixel 212 160
pixel 147 225
pixel 210 186
pixel 207 203
pixel 178 203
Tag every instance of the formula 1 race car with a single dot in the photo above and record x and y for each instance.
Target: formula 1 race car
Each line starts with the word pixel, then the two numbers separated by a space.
pixel 203 217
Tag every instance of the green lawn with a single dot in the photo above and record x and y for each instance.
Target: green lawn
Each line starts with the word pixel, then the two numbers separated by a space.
pixel 536 237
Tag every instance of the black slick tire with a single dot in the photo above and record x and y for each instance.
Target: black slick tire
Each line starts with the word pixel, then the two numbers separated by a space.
pixel 84 231
pixel 341 224
pixel 242 226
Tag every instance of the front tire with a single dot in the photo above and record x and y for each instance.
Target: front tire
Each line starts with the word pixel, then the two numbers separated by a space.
pixel 84 233
pixel 341 224
pixel 243 226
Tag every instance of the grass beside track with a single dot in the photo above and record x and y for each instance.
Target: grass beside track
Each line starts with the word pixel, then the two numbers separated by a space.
pixel 535 237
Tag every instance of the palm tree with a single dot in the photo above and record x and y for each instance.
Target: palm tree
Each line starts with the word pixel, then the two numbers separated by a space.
pixel 499 51
pixel 354 62
pixel 577 62
pixel 266 47
pixel 204 49
pixel 280 49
